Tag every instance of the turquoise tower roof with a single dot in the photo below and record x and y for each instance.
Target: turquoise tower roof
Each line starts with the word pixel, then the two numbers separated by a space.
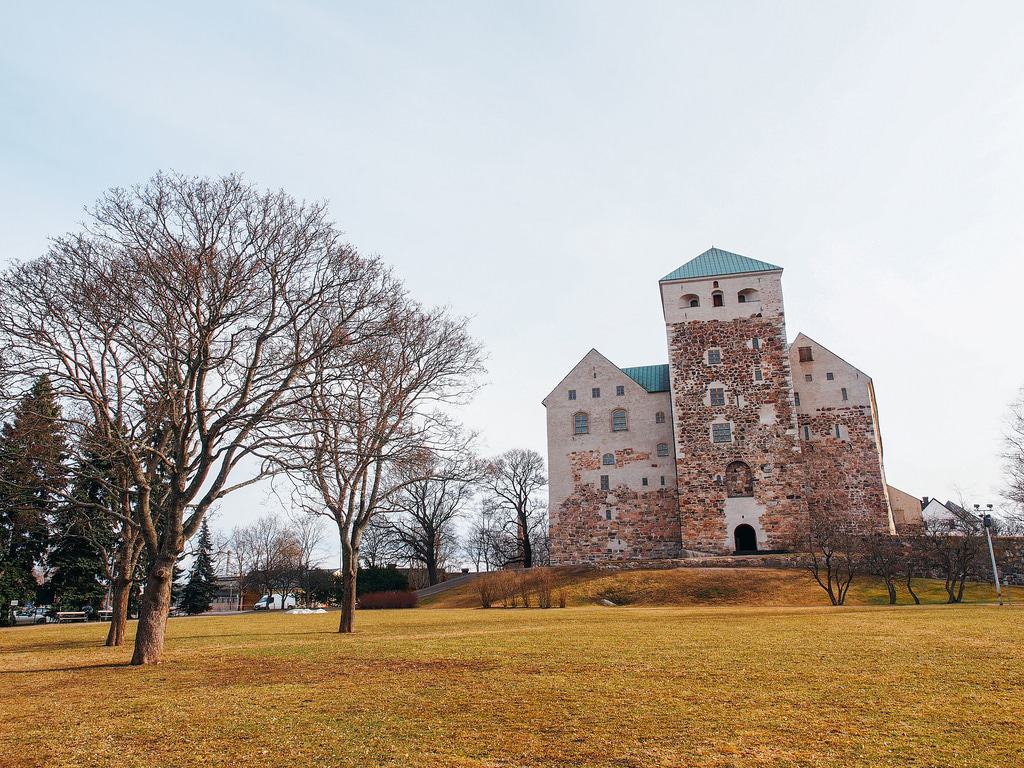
pixel 714 262
pixel 653 378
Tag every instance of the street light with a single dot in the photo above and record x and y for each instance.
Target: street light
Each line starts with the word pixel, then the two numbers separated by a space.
pixel 986 519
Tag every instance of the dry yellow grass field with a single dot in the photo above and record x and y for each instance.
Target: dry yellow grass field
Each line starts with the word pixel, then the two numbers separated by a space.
pixel 625 686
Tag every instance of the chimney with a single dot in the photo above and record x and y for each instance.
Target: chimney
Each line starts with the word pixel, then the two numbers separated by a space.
pixel 924 501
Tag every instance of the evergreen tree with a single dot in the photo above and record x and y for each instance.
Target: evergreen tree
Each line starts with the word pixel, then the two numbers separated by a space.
pixel 32 476
pixel 82 529
pixel 201 588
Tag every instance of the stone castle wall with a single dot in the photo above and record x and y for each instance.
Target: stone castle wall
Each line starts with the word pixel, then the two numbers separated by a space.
pixel 762 422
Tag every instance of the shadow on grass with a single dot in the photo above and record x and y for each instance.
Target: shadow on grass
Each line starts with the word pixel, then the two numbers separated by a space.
pixel 72 668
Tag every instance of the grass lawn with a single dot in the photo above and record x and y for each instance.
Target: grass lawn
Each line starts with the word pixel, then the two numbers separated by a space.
pixel 626 686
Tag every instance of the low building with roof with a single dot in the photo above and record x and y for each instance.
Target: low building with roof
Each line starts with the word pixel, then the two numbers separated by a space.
pixel 726 447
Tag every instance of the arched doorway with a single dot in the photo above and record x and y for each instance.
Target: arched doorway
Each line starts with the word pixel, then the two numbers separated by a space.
pixel 746 538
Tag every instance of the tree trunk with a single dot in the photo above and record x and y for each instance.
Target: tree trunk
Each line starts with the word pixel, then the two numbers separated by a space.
pixel 910 589
pixel 892 591
pixel 524 533
pixel 432 571
pixel 156 605
pixel 348 598
pixel 119 610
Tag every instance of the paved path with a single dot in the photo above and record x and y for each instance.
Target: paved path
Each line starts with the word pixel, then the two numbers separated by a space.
pixel 444 586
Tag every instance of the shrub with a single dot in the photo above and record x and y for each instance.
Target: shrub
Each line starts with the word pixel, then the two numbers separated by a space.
pixel 543 584
pixel 561 597
pixel 388 579
pixel 389 599
pixel 486 587
pixel 507 585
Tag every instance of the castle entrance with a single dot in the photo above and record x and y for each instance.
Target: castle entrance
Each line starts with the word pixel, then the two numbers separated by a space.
pixel 746 539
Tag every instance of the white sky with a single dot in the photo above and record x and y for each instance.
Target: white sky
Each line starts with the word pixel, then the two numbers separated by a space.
pixel 540 165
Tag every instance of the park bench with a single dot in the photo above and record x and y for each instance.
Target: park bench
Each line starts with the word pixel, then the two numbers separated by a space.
pixel 104 614
pixel 65 616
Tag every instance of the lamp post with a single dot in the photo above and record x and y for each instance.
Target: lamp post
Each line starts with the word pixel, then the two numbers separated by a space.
pixel 986 519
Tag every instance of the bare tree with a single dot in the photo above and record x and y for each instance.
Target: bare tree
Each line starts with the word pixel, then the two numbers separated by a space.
pixel 308 533
pixel 423 513
pixel 513 486
pixel 953 547
pixel 379 547
pixel 179 322
pixel 834 548
pixel 480 542
pixel 1013 456
pixel 885 557
pixel 362 435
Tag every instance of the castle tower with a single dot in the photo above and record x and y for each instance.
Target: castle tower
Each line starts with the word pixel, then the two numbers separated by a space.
pixel 738 460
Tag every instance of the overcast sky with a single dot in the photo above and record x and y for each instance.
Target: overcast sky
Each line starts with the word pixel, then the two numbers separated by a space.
pixel 540 165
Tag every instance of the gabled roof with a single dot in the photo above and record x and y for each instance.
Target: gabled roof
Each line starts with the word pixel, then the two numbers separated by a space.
pixel 714 262
pixel 653 378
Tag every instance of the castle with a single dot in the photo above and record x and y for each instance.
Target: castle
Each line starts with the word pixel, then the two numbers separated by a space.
pixel 725 448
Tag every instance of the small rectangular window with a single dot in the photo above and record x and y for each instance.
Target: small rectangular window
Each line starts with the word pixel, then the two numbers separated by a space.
pixel 807 433
pixel 607 514
pixel 808 377
pixel 659 417
pixel 721 433
pixel 618 421
pixel 663 449
pixel 717 396
pixel 755 343
pixel 758 374
pixel 846 395
pixel 805 355
pixel 572 394
pixel 620 390
pixel 662 479
pixel 830 376
pixel 644 481
pixel 714 357
pixel 595 392
pixel 839 432
pixel 604 483
pixel 796 398
pixel 581 424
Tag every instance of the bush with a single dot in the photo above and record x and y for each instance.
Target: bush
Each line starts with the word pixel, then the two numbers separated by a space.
pixel 389 599
pixel 486 587
pixel 388 579
pixel 544 585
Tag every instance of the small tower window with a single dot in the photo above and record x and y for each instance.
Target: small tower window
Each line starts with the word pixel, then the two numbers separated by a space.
pixel 808 377
pixel 643 481
pixel 796 399
pixel 659 417
pixel 717 396
pixel 595 392
pixel 620 391
pixel 663 449
pixel 572 394
pixel 718 299
pixel 758 374
pixel 807 432
pixel 747 295
pixel 846 395
pixel 608 459
pixel 721 433
pixel 830 376
pixel 714 356
pixel 619 421
pixel 580 424
pixel 691 300
pixel 662 479
pixel 806 355
pixel 755 343
pixel 605 485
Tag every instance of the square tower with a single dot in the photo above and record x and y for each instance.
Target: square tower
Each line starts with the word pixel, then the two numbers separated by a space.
pixel 738 460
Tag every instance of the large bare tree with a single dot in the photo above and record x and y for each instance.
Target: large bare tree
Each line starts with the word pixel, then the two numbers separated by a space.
pixel 1014 458
pixel 179 323
pixel 367 434
pixel 424 513
pixel 513 485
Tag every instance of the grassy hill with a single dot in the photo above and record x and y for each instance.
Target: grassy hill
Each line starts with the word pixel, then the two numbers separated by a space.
pixel 761 587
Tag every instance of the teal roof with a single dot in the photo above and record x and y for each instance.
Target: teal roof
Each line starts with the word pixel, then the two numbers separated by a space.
pixel 653 378
pixel 714 262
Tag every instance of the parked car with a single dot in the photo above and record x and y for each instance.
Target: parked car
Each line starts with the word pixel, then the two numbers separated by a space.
pixel 30 616
pixel 273 603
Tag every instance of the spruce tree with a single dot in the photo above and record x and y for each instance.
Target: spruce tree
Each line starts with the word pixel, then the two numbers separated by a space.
pixel 81 530
pixel 32 477
pixel 201 588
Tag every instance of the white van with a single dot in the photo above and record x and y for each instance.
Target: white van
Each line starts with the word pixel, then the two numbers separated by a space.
pixel 273 603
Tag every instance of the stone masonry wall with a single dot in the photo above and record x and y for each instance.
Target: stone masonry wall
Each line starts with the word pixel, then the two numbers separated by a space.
pixel 624 522
pixel 843 473
pixel 763 428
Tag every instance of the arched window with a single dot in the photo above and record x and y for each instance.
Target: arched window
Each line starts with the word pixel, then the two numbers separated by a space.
pixel 659 417
pixel 580 423
pixel 718 299
pixel 608 459
pixel 618 420
pixel 663 449
pixel 748 295
pixel 691 300
pixel 739 480
pixel 746 538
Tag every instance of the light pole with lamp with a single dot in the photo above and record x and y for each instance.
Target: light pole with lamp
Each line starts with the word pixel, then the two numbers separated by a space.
pixel 986 520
